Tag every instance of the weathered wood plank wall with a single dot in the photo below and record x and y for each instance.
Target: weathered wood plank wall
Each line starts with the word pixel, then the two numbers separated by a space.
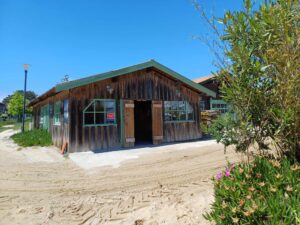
pixel 146 84
pixel 60 133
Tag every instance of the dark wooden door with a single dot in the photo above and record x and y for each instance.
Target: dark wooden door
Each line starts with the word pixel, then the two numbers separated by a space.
pixel 157 122
pixel 128 117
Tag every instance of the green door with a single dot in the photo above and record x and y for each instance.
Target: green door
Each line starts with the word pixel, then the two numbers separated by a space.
pixel 44 119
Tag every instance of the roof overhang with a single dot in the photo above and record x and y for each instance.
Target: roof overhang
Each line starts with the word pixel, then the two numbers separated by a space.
pixel 42 97
pixel 120 72
pixel 130 69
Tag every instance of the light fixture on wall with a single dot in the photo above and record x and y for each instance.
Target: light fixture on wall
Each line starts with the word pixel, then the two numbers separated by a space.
pixel 109 89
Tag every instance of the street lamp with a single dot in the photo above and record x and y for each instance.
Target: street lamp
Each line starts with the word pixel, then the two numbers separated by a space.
pixel 25 66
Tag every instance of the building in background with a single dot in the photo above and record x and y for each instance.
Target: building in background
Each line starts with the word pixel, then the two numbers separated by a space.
pixel 208 102
pixel 2 107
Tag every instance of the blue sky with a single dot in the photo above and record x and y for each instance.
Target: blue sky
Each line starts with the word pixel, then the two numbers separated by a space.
pixel 86 37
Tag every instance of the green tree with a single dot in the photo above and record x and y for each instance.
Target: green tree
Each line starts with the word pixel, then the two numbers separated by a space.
pixel 15 105
pixel 260 75
pixel 30 95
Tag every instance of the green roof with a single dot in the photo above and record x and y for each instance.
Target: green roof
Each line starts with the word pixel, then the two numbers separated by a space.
pixel 130 69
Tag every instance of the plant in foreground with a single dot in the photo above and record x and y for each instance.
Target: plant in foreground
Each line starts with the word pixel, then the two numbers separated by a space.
pixel 36 137
pixel 263 192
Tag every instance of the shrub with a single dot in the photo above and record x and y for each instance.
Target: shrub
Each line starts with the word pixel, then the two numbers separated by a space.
pixel 36 137
pixel 223 130
pixel 257 50
pixel 263 192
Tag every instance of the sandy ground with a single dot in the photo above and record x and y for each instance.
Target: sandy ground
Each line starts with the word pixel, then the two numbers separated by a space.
pixel 170 185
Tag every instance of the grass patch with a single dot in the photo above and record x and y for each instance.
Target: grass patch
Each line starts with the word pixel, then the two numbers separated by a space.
pixel 16 125
pixel 35 137
pixel 263 192
pixel 5 123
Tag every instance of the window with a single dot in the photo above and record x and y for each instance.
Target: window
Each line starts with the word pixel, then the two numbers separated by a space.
pixel 66 111
pixel 178 111
pixel 41 118
pixel 44 117
pixel 100 112
pixel 202 105
pixel 57 113
pixel 219 105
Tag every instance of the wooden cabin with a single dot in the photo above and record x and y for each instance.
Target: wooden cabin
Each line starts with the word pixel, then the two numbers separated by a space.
pixel 141 104
pixel 208 102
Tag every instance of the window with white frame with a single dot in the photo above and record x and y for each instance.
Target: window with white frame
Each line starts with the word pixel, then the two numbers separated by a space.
pixel 57 112
pixel 178 111
pixel 100 112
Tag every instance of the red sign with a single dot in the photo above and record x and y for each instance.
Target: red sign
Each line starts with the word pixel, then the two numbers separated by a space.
pixel 110 116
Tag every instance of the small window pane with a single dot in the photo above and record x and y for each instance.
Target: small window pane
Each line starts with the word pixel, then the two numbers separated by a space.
pixel 109 106
pixel 189 108
pixel 190 116
pixel 89 118
pixel 174 105
pixel 168 116
pixel 181 105
pixel 90 108
pixel 182 116
pixel 167 105
pixel 174 116
pixel 99 118
pixel 99 106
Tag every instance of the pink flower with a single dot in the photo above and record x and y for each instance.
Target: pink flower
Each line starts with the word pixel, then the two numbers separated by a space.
pixel 219 176
pixel 227 173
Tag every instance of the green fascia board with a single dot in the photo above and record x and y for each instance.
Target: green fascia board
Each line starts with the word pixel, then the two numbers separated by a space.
pixel 184 79
pixel 130 69
pixel 218 101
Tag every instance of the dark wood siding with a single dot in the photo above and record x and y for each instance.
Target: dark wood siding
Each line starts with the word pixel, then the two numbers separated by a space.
pixel 149 84
pixel 59 133
pixel 141 85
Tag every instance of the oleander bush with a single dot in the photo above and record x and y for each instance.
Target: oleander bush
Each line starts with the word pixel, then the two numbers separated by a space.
pixel 35 137
pixel 258 54
pixel 262 192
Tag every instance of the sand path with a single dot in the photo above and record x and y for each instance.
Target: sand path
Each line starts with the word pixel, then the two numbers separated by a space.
pixel 38 186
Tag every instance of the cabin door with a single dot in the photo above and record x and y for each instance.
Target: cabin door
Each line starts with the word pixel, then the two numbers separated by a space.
pixel 157 122
pixel 143 122
pixel 44 120
pixel 127 121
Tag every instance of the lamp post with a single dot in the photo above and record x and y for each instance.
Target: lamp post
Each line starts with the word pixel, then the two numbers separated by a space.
pixel 25 66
